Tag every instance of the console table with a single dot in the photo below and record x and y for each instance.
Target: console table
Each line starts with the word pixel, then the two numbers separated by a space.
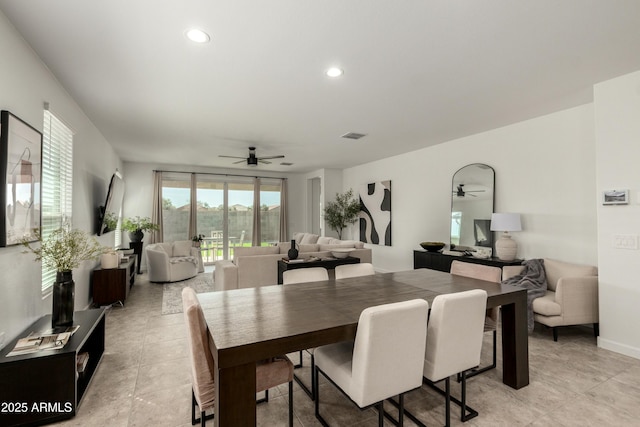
pixel 442 262
pixel 329 264
pixel 112 284
pixel 46 386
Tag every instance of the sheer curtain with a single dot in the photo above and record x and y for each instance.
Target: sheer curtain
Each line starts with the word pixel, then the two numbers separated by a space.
pixel 156 213
pixel 284 215
pixel 256 238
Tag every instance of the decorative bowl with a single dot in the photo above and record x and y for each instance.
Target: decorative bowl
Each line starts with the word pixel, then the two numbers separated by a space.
pixel 432 246
pixel 341 252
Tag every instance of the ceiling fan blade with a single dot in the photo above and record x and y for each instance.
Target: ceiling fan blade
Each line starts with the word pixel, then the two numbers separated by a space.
pixel 231 157
pixel 240 161
pixel 264 161
pixel 271 157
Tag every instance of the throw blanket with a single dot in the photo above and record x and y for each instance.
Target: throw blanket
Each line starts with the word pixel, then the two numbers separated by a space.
pixel 534 279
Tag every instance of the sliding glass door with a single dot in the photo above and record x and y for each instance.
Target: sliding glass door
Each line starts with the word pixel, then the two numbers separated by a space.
pixel 224 211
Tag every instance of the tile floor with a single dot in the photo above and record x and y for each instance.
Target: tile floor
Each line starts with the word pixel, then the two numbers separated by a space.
pixel 143 379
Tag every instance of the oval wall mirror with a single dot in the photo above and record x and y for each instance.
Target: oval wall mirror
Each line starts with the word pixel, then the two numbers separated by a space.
pixel 472 195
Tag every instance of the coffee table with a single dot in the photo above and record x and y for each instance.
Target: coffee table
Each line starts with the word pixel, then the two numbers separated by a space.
pixel 329 264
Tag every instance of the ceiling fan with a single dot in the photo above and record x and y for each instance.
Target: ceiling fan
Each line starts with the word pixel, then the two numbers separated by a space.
pixel 252 160
pixel 461 193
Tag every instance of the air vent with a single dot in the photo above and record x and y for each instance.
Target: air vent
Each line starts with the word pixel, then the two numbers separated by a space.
pixel 353 135
pixel 286 164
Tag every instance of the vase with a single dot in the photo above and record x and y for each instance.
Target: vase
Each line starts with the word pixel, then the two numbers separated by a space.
pixel 63 299
pixel 136 236
pixel 293 252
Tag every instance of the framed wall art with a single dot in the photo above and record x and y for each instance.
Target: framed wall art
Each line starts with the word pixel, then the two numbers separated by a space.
pixel 615 197
pixel 375 213
pixel 21 175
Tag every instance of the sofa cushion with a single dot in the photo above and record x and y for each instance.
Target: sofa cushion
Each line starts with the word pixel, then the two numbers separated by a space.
pixel 547 305
pixel 336 246
pixel 309 239
pixel 298 237
pixel 182 248
pixel 556 269
pixel 307 248
pixel 254 250
pixel 325 240
pixel 356 243
pixel 166 247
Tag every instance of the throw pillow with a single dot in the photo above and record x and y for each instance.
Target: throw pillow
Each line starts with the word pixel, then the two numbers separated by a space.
pixel 309 239
pixel 182 248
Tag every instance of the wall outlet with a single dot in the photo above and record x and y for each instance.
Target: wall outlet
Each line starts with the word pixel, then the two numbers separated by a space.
pixel 625 241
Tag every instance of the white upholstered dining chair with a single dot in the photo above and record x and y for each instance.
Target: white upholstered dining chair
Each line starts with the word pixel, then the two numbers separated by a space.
pixel 380 363
pixel 490 274
pixel 269 373
pixel 305 275
pixel 454 342
pixel 354 270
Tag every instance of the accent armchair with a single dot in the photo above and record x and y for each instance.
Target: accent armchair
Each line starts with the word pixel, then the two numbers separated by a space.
pixel 571 297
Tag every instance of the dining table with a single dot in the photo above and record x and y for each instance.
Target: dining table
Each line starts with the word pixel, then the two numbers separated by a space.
pixel 253 324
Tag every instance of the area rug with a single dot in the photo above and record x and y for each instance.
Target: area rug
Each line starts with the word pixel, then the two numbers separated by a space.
pixel 172 292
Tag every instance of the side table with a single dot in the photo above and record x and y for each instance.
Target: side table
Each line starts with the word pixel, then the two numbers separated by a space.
pixel 137 250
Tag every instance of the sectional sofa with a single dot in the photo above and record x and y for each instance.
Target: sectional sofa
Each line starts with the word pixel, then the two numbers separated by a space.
pixel 258 265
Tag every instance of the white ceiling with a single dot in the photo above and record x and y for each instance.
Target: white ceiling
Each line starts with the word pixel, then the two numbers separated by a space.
pixel 417 72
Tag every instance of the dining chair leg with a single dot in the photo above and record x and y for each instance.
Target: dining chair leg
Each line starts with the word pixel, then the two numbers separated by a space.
pixel 447 400
pixel 466 413
pixel 290 403
pixel 380 408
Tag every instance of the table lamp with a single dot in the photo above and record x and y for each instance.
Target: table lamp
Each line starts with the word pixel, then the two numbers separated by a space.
pixel 506 248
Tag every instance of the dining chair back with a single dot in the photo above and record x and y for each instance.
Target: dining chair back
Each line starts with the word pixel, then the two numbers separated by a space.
pixel 201 358
pixel 354 270
pixel 454 340
pixel 383 362
pixel 490 274
pixel 304 275
pixel 269 373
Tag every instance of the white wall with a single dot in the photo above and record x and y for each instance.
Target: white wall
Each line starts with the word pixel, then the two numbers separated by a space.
pixel 25 84
pixel 545 170
pixel 617 130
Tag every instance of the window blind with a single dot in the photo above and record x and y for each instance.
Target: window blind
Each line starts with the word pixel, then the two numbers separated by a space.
pixel 57 182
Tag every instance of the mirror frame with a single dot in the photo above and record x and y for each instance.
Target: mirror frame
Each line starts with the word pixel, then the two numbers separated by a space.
pixel 454 185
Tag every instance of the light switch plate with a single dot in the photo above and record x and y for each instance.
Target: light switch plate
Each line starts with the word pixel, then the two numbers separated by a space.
pixel 625 241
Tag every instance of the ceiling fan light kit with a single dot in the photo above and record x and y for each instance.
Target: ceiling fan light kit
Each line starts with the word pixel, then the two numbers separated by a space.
pixel 253 160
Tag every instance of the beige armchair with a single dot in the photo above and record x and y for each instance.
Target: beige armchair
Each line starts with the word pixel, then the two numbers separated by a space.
pixel 571 297
pixel 172 262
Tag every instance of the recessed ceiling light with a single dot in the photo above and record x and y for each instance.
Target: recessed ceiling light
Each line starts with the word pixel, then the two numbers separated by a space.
pixel 197 36
pixel 334 72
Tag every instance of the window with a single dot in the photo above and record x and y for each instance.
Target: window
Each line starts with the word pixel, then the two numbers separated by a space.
pixel 57 182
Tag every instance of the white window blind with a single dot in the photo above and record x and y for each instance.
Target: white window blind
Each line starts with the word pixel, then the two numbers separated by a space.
pixel 57 182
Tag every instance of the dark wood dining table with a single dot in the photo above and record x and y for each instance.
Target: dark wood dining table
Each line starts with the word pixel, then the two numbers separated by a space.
pixel 249 325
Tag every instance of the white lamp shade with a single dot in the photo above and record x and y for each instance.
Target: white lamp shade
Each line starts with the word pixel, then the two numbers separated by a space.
pixel 505 222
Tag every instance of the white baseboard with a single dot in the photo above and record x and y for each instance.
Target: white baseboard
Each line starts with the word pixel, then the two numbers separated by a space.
pixel 619 348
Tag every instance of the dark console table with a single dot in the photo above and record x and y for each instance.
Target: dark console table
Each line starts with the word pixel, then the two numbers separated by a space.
pixel 329 264
pixel 47 386
pixel 112 284
pixel 442 262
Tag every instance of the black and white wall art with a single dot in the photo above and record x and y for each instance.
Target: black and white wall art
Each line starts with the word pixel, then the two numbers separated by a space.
pixel 375 213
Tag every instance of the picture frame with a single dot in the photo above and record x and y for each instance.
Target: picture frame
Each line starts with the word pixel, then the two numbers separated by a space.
pixel 21 180
pixel 615 197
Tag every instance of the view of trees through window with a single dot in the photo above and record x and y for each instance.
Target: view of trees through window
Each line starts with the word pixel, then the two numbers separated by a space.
pixel 220 203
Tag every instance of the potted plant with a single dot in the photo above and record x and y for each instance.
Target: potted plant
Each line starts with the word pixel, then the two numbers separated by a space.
pixel 137 226
pixel 197 240
pixel 342 212
pixel 64 249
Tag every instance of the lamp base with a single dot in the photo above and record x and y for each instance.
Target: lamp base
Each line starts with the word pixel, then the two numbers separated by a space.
pixel 506 248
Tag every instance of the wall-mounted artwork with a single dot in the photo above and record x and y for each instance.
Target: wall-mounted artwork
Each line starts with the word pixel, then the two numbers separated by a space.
pixel 615 197
pixel 20 164
pixel 375 213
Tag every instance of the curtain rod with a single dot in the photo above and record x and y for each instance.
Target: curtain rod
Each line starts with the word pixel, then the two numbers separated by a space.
pixel 223 174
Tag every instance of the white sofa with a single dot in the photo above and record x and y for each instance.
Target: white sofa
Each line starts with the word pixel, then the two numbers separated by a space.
pixel 171 262
pixel 258 265
pixel 571 297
